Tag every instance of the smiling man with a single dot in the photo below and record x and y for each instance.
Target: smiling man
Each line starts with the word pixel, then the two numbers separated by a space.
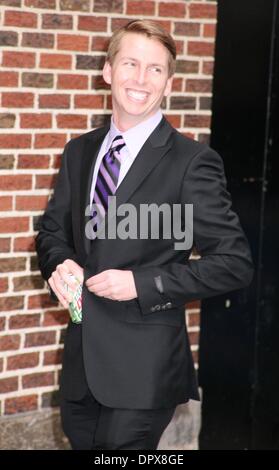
pixel 127 361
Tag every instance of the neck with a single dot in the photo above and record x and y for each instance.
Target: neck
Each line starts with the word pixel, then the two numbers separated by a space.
pixel 125 123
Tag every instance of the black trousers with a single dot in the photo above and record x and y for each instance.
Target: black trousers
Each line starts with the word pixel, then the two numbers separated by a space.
pixel 90 425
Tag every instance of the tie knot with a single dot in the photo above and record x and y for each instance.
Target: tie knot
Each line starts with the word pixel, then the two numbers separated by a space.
pixel 117 143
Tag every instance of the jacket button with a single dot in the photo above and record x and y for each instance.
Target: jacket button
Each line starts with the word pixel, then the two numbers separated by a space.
pixel 168 305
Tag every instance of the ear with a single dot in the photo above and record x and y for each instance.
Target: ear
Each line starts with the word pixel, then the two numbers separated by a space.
pixel 168 86
pixel 107 73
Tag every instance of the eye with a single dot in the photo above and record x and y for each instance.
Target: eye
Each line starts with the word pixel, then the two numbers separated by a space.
pixel 129 63
pixel 157 69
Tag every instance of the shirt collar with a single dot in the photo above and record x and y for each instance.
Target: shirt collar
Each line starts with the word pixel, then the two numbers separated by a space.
pixel 136 136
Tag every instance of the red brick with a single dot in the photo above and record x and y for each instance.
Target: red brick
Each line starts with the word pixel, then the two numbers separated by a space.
pixel 35 120
pixel 18 59
pixel 193 304
pixel 20 19
pixel 40 301
pixel 208 67
pixel 8 79
pixel 8 385
pixel 165 24
pixel 209 30
pixel 4 284
pixel 200 48
pixel 56 161
pixel 12 264
pixel 187 29
pixel 2 320
pixel 179 46
pixel 23 361
pixel 196 120
pixel 170 9
pixel 37 80
pixel 9 342
pixel 14 224
pixel 11 303
pixel 72 82
pixel 6 203
pixel 14 182
pixel 195 355
pixel 72 42
pixel 50 140
pixel 99 43
pixel 89 101
pixel 45 181
pixel 53 357
pixel 193 319
pixel 174 120
pixel 55 21
pixel 140 8
pixel 29 282
pixel 15 141
pixel 54 101
pixel 24 321
pixel 42 338
pixel 71 121
pixel 17 100
pixel 41 4
pixel 33 161
pixel 32 203
pixel 55 61
pixel 41 379
pixel 194 337
pixel 39 40
pixel 1 365
pixel 52 318
pixel 202 10
pixel 24 244
pixel 177 84
pixel 98 83
pixel 92 23
pixel 198 85
pixel 5 245
pixel 21 404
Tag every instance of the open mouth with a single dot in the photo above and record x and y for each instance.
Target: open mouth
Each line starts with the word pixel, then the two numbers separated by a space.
pixel 138 96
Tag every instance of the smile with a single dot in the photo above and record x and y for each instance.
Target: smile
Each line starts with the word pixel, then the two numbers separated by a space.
pixel 137 95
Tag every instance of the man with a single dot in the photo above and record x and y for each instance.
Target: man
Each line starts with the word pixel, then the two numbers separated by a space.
pixel 128 363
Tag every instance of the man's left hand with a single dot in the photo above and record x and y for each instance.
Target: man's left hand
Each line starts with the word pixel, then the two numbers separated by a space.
pixel 115 284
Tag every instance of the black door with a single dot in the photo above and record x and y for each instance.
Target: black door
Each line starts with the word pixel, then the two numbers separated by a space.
pixel 239 340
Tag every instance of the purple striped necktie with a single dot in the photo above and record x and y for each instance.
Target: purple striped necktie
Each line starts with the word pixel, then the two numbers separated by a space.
pixel 107 179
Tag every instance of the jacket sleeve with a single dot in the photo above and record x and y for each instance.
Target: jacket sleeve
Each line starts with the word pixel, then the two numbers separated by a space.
pixel 54 242
pixel 225 262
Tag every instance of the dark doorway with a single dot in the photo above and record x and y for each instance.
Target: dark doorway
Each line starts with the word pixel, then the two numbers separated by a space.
pixel 239 340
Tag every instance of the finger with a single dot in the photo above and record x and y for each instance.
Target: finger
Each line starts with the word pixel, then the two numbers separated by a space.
pixel 97 278
pixel 66 276
pixel 59 285
pixel 60 297
pixel 99 286
pixel 75 269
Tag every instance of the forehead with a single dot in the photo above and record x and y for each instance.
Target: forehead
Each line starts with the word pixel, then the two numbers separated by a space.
pixel 138 45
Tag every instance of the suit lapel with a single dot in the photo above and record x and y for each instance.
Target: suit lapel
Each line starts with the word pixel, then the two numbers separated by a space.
pixel 91 149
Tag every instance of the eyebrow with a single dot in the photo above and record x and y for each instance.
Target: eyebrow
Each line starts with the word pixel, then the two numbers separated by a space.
pixel 132 58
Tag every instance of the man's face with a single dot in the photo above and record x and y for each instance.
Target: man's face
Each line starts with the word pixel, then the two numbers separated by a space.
pixel 138 78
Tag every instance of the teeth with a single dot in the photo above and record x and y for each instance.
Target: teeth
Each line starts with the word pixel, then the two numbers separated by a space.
pixel 137 95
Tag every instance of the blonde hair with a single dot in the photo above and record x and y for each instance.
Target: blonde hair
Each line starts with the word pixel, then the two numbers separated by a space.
pixel 149 28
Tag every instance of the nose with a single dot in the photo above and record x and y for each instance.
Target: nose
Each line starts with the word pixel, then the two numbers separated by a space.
pixel 140 75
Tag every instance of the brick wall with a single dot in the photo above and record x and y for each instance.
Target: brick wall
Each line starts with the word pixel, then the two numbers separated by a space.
pixel 52 52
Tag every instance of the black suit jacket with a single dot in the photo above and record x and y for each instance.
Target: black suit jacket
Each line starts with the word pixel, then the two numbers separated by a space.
pixel 136 353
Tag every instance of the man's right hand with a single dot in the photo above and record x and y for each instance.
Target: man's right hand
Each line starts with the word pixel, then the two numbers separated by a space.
pixel 61 275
